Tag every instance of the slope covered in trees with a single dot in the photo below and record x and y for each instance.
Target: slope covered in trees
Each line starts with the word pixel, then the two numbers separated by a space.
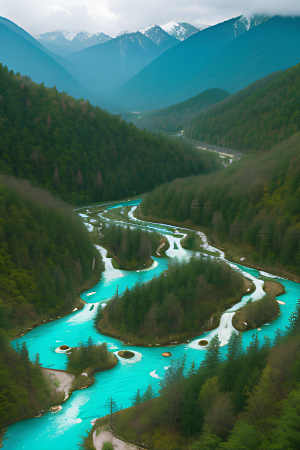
pixel 175 306
pixel 254 119
pixel 21 52
pixel 24 390
pixel 175 117
pixel 130 249
pixel 249 400
pixel 46 256
pixel 252 206
pixel 82 153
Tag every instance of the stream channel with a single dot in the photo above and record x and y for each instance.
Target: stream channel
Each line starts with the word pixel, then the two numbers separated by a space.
pixel 62 430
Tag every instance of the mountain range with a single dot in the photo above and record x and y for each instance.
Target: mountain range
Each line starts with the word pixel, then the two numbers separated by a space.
pixel 106 67
pixel 241 59
pixel 153 68
pixel 22 53
pixel 63 42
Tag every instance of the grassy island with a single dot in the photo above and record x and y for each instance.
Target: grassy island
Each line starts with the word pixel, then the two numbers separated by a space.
pixel 180 304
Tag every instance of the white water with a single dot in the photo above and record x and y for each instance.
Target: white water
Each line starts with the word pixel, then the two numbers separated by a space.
pixel 61 430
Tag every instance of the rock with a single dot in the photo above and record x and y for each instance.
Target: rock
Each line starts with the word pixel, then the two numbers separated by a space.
pixel 56 408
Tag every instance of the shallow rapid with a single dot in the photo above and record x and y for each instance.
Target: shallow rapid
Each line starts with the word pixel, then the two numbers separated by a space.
pixel 62 430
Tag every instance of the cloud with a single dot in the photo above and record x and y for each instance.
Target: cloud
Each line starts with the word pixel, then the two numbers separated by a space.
pixel 113 16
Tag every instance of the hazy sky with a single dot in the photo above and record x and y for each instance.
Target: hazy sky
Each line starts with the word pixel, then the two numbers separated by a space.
pixel 113 16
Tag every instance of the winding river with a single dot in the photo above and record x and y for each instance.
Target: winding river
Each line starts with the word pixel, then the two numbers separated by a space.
pixel 63 430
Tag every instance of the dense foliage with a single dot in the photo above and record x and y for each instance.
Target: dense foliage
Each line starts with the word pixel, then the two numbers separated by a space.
pixel 90 358
pixel 23 388
pixel 253 204
pixel 176 116
pixel 176 305
pixel 249 400
pixel 255 314
pixel 254 119
pixel 82 153
pixel 131 248
pixel 46 255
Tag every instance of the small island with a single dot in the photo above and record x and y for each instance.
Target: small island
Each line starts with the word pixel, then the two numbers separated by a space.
pixel 183 302
pixel 255 314
pixel 126 354
pixel 131 249
pixel 86 360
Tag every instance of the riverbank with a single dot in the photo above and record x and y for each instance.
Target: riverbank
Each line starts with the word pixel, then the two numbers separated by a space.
pixel 101 435
pixel 130 339
pixel 61 379
pixel 41 319
pixel 238 254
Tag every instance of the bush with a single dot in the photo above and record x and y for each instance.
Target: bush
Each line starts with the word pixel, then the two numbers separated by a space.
pixel 107 446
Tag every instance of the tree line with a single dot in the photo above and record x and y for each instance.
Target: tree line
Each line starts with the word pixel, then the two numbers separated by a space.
pixel 254 119
pixel 181 302
pixel 90 358
pixel 81 153
pixel 249 400
pixel 175 117
pixel 130 248
pixel 46 256
pixel 24 391
pixel 252 206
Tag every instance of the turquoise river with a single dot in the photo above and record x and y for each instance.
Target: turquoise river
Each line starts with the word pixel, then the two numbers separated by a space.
pixel 62 430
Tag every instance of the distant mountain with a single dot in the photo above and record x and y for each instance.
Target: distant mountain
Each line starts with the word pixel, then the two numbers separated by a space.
pixel 105 67
pixel 160 83
pixel 157 35
pixel 22 53
pixel 182 30
pixel 220 56
pixel 64 42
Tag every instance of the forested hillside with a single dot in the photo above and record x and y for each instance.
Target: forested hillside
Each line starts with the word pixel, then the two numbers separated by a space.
pixel 253 205
pixel 256 118
pixel 175 117
pixel 43 266
pixel 24 391
pixel 248 401
pixel 175 306
pixel 82 153
pixel 131 249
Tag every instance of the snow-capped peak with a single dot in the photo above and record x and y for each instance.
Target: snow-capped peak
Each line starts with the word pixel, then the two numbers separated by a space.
pixel 83 35
pixel 181 30
pixel 144 30
pixel 52 36
pixel 170 26
pixel 123 32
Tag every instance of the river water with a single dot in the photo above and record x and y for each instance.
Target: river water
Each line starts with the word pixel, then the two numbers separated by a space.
pixel 63 430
